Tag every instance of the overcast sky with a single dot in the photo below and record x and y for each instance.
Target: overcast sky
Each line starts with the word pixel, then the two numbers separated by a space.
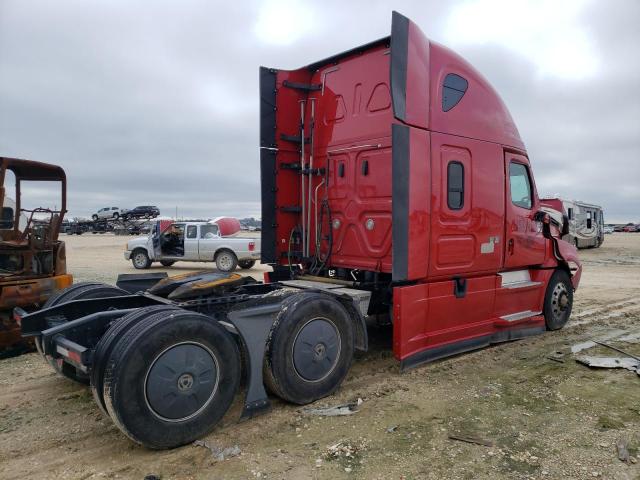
pixel 157 102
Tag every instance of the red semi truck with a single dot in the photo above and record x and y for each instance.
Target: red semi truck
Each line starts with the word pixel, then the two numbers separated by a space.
pixel 396 188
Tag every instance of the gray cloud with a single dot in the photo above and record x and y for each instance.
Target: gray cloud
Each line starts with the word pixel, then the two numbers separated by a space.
pixel 158 102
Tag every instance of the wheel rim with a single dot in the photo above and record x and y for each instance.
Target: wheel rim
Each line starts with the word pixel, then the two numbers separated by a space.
pixel 225 261
pixel 316 349
pixel 560 301
pixel 140 259
pixel 181 382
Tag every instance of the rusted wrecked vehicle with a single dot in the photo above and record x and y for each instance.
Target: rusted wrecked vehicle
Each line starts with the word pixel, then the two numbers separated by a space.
pixel 32 259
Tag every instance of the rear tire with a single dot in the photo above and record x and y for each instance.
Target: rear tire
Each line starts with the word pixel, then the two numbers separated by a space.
pixel 310 348
pixel 109 340
pixel 558 300
pixel 140 259
pixel 79 291
pixel 171 378
pixel 246 264
pixel 226 261
pixel 167 263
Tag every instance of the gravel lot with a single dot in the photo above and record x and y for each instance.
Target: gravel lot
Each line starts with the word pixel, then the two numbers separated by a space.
pixel 539 417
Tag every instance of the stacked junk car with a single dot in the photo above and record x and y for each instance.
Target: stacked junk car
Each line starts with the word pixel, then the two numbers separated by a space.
pixel 395 188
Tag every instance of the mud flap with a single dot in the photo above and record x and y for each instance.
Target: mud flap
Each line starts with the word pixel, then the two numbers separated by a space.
pixel 138 282
pixel 253 325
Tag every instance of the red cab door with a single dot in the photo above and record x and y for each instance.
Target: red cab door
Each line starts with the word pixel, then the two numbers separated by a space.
pixel 525 244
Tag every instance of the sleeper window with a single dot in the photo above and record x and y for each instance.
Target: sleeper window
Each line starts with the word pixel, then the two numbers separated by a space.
pixel 520 185
pixel 453 89
pixel 455 185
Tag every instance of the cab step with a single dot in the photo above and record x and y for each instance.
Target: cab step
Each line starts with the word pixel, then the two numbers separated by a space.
pixel 516 318
pixel 518 279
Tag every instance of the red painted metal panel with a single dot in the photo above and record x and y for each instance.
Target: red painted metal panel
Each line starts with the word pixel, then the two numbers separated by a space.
pixel 525 242
pixel 410 317
pixel 469 240
pixel 480 114
pixel 419 207
pixel 430 316
pixel 417 107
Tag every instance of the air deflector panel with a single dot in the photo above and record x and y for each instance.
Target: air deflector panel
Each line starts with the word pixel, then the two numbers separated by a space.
pixel 409 72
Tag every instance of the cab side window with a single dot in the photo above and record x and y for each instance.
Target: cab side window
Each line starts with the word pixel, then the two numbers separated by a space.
pixel 520 186
pixel 208 231
pixel 192 231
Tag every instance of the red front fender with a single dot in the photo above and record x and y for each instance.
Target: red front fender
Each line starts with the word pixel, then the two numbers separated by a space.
pixel 569 253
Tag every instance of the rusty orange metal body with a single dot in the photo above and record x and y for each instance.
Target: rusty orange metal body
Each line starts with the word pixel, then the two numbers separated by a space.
pixel 32 259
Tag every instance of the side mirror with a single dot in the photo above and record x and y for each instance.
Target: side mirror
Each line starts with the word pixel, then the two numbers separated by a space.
pixel 565 225
pixel 541 216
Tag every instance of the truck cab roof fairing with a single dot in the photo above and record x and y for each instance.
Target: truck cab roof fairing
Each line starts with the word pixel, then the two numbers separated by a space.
pixel 418 71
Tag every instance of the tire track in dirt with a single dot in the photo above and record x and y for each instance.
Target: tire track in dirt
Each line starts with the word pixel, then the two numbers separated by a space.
pixel 605 312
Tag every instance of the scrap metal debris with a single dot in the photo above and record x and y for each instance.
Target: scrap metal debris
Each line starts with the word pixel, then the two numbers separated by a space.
pixel 470 439
pixel 615 334
pixel 338 410
pixel 630 364
pixel 618 350
pixel 218 453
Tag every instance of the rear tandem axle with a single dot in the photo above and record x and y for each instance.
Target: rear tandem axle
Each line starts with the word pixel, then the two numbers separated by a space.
pixel 166 371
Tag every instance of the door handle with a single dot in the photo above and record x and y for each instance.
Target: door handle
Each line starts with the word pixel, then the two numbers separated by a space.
pixel 510 246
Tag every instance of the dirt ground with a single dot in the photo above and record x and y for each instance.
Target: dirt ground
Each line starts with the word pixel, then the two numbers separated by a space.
pixel 540 417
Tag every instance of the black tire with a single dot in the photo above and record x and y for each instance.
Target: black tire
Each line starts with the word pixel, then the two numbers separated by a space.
pixel 140 259
pixel 246 264
pixel 79 291
pixel 558 300
pixel 167 263
pixel 108 341
pixel 135 393
pixel 226 261
pixel 310 348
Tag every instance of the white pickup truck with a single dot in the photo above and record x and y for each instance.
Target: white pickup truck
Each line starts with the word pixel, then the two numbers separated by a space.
pixel 192 242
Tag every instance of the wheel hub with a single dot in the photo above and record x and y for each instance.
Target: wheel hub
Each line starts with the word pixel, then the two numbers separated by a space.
pixel 564 301
pixel 316 349
pixel 181 381
pixel 185 382
pixel 559 300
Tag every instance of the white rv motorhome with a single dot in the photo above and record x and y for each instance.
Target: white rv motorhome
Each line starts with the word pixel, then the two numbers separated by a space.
pixel 586 222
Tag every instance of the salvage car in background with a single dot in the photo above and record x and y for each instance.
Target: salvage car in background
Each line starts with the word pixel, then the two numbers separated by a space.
pixel 141 211
pixel 106 213
pixel 170 242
